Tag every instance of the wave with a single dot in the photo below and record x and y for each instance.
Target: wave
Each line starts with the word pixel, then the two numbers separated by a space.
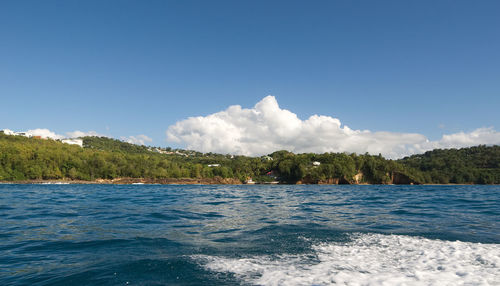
pixel 370 259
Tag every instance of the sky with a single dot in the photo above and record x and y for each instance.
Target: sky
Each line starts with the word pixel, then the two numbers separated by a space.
pixel 390 77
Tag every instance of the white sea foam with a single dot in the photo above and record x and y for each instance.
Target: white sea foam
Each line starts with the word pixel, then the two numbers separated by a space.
pixel 371 259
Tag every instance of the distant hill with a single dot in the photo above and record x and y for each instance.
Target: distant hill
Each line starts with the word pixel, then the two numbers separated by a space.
pixel 480 165
pixel 113 145
pixel 101 158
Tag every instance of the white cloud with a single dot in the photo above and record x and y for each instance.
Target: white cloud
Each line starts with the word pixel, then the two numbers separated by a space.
pixel 266 128
pixel 44 133
pixel 78 133
pixel 139 139
pixel 483 135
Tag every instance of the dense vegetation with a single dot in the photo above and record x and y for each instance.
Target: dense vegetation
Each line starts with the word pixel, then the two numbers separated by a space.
pixel 104 158
pixel 480 165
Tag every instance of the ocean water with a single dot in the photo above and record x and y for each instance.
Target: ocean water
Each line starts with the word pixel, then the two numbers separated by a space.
pixel 249 235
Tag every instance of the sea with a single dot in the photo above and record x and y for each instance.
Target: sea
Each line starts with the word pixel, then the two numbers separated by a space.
pixel 249 235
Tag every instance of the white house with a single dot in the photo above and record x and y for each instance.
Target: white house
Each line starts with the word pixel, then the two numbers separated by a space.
pixel 73 141
pixel 213 165
pixel 316 163
pixel 25 134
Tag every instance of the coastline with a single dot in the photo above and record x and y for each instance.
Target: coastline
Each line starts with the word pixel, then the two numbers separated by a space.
pixel 130 181
pixel 179 181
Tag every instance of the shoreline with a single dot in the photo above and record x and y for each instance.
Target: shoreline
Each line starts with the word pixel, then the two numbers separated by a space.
pixel 131 181
pixel 184 181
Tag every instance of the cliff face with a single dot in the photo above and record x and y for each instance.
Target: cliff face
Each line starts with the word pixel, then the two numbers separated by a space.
pixel 358 177
pixel 402 179
pixel 330 181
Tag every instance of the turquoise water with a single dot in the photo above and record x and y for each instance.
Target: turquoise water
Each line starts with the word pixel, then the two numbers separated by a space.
pixel 249 235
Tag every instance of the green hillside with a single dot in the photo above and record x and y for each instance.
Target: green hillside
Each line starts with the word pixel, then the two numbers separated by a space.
pixel 104 158
pixel 480 165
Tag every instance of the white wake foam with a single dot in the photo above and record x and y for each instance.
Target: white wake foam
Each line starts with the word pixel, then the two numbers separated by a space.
pixel 371 259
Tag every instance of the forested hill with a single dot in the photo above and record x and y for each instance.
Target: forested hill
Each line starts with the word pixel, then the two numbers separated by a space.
pixel 104 158
pixel 113 145
pixel 480 165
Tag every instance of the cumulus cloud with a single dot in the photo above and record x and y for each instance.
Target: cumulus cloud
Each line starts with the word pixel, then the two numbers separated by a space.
pixel 78 133
pixel 44 133
pixel 487 136
pixel 139 139
pixel 266 128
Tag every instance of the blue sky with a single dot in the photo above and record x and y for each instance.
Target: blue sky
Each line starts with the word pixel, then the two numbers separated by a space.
pixel 124 68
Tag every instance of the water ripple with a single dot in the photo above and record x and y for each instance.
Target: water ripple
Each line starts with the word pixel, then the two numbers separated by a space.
pixel 148 234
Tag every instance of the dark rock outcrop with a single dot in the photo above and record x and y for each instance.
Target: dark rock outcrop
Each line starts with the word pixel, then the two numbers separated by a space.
pixel 402 179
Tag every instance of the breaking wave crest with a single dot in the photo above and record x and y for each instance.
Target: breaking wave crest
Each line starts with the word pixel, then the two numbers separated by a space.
pixel 370 259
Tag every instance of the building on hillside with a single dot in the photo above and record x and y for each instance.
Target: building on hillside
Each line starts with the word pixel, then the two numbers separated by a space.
pixel 181 153
pixel 73 141
pixel 316 163
pixel 272 174
pixel 158 150
pixel 213 165
pixel 23 134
